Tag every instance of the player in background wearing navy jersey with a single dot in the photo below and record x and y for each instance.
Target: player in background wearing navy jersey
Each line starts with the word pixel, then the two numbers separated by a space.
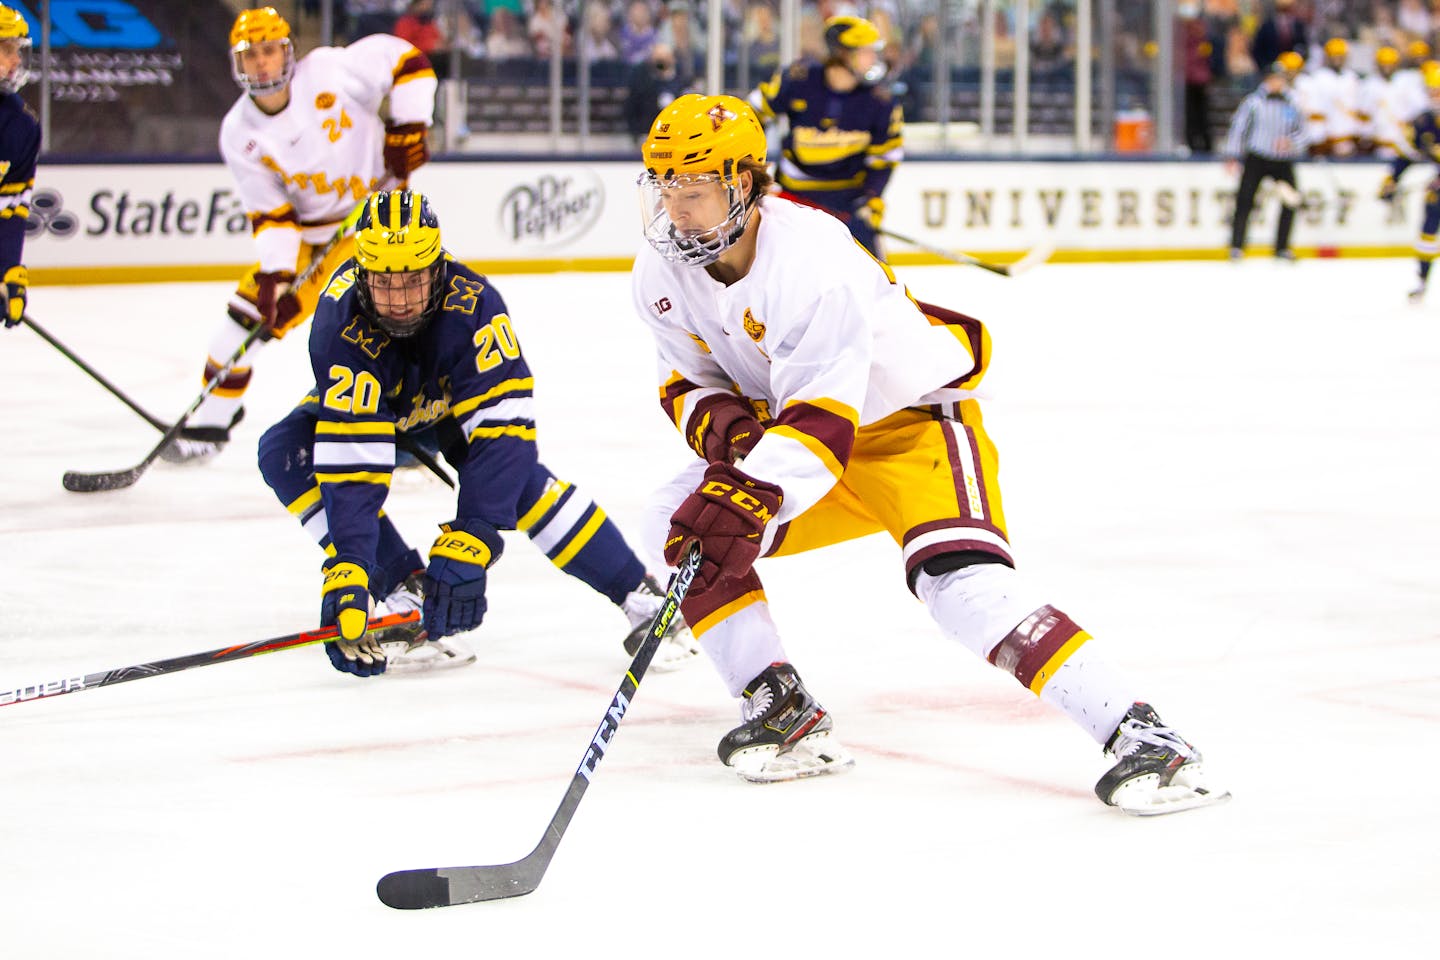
pixel 844 138
pixel 19 148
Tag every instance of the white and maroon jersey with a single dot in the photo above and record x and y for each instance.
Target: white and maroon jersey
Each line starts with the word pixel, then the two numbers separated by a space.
pixel 1387 104
pixel 303 170
pixel 818 336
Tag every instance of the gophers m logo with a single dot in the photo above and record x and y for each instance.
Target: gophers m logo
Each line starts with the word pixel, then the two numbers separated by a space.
pixel 754 329
pixel 718 115
pixel 324 101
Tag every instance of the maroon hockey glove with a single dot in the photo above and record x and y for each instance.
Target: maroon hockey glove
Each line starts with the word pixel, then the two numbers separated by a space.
pixel 277 301
pixel 727 514
pixel 723 429
pixel 405 149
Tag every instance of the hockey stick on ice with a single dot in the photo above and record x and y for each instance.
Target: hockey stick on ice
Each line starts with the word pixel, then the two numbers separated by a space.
pixel 446 886
pixel 395 627
pixel 1032 258
pixel 77 482
pixel 155 422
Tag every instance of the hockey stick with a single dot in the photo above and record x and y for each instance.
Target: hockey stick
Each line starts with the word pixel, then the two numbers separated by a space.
pixel 396 626
pixel 447 886
pixel 77 482
pixel 1032 258
pixel 155 422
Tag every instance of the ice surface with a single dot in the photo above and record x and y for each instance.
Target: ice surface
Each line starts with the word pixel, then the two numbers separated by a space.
pixel 1226 473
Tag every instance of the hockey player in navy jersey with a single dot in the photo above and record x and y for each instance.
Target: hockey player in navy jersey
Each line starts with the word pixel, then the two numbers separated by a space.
pixel 19 147
pixel 407 340
pixel 1422 145
pixel 844 138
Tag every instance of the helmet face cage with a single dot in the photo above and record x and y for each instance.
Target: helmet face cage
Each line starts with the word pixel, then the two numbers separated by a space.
pixel 845 35
pixel 253 27
pixel 398 261
pixel 694 247
pixel 415 301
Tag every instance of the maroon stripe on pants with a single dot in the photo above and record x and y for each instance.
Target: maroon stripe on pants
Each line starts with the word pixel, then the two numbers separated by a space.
pixel 1026 649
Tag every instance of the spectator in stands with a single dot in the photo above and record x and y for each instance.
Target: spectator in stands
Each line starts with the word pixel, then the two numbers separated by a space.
pixel 507 40
pixel 654 84
pixel 1196 49
pixel 1280 31
pixel 762 37
pixel 367 17
pixel 548 24
pixel 1239 64
pixel 1413 17
pixel 685 38
pixel 1047 43
pixel 637 33
pixel 598 40
pixel 418 26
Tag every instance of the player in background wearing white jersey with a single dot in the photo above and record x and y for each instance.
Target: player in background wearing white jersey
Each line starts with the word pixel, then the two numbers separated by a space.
pixel 305 144
pixel 826 404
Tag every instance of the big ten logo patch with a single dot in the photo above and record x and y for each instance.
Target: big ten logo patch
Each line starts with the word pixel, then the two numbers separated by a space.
pixel 48 215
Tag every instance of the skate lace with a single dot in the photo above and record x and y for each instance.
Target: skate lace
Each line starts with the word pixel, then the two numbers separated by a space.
pixel 757 703
pixel 1136 735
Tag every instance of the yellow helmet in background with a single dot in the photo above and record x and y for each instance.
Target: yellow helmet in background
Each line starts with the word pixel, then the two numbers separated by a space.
pixel 699 134
pixel 1336 47
pixel 13 26
pixel 849 33
pixel 1418 50
pixel 398 233
pixel 256 26
pixel 1291 61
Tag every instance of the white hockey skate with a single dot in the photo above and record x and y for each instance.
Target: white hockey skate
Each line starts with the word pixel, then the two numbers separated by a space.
pixel 1158 772
pixel 420 654
pixel 786 734
pixel 199 444
pixel 677 648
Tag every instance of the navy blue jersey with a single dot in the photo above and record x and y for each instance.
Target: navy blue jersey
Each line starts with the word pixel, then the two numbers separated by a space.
pixel 465 364
pixel 19 147
pixel 1423 136
pixel 837 141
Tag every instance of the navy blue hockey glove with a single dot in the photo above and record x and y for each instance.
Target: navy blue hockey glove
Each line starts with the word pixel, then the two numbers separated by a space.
pixel 455 579
pixel 345 603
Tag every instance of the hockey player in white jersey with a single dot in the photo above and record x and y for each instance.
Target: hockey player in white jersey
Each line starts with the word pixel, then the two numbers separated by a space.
pixel 823 404
pixel 305 144
pixel 1332 98
pixel 1387 103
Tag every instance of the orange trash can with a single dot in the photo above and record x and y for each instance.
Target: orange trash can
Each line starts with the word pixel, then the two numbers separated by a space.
pixel 1134 133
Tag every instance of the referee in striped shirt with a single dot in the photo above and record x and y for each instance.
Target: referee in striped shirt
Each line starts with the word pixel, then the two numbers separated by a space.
pixel 1268 132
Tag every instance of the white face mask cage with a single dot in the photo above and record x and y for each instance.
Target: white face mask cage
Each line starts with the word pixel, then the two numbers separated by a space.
pixel 21 74
pixel 692 246
pixel 255 88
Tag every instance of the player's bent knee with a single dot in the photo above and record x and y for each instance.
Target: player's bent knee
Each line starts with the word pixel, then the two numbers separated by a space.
pixel 977 604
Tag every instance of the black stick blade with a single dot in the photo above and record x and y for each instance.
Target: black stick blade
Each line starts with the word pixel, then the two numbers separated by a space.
pixel 430 887
pixel 96 482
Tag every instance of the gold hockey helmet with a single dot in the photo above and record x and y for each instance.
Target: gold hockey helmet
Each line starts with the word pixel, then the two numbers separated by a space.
pixel 703 134
pixel 14 27
pixel 398 233
pixel 256 26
